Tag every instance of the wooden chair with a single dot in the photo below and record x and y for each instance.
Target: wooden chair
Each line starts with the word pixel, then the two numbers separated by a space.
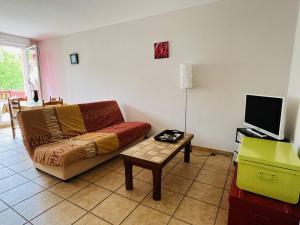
pixel 54 99
pixel 14 106
pixel 53 103
pixel 16 99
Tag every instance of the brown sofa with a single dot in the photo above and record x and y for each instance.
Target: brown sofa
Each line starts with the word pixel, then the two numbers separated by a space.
pixel 67 140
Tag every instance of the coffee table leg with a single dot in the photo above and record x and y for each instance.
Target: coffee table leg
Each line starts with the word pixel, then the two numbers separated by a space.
pixel 187 151
pixel 128 175
pixel 156 184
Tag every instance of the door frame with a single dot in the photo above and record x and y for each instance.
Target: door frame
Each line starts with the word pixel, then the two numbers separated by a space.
pixel 26 71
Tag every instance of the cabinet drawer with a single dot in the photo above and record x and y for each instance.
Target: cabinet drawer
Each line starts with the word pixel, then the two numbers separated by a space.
pixel 273 182
pixel 269 218
pixel 237 146
pixel 239 137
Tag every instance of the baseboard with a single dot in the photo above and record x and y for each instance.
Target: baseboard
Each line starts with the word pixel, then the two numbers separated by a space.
pixel 211 150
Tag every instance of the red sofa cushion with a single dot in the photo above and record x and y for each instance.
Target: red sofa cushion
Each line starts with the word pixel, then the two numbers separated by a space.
pixel 128 132
pixel 98 115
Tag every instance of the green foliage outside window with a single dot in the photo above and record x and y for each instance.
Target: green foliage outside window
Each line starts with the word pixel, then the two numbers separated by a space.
pixel 11 71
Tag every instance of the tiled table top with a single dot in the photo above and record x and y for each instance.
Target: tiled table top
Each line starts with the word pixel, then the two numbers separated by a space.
pixel 156 151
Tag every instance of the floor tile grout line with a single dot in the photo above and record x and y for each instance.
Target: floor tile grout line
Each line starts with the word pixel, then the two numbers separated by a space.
pixel 67 199
pixel 27 198
pixel 80 218
pixel 208 203
pixel 33 177
pixel 7 176
pixel 114 170
pixel 201 182
pixel 171 216
pixel 33 196
pixel 130 213
pixel 90 211
pixel 140 203
pixel 115 192
pixel 222 193
pixel 14 187
pixel 17 152
pixel 135 208
pixel 47 210
pixel 184 195
pixel 6 150
pixel 8 166
pixel 46 188
pixel 9 207
pixel 62 200
pixel 18 173
pixel 112 192
pixel 4 203
pixel 13 164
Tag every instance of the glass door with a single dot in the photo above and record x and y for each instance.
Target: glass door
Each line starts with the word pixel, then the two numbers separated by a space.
pixel 32 72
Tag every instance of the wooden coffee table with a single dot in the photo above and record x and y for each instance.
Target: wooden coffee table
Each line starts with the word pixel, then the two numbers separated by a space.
pixel 154 155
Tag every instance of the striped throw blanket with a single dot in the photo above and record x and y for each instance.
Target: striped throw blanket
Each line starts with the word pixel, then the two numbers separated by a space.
pixel 59 136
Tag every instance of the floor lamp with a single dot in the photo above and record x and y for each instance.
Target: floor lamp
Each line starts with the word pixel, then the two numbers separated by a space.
pixel 186 82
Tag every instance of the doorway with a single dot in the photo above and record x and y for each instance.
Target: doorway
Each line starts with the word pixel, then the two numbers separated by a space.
pixel 19 76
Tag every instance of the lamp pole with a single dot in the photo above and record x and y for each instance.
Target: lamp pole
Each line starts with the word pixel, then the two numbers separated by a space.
pixel 185 110
pixel 186 81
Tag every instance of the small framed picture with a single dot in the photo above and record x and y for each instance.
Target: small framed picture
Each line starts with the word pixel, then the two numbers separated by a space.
pixel 161 50
pixel 74 58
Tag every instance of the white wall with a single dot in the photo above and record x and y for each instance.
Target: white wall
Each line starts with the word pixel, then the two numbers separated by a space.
pixel 293 111
pixel 236 47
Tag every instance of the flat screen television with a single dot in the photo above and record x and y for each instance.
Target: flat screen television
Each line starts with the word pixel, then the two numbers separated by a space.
pixel 266 114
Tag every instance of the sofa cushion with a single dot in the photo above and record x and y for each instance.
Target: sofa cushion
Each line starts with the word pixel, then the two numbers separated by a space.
pixel 128 132
pixel 98 115
pixel 52 124
pixel 59 136
pixel 38 127
pixel 70 150
pixel 103 141
pixel 71 120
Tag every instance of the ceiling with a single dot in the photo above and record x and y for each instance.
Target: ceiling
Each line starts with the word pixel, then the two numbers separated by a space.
pixel 44 19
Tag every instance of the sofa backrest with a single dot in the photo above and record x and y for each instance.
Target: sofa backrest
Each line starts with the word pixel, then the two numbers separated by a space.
pixel 98 115
pixel 52 124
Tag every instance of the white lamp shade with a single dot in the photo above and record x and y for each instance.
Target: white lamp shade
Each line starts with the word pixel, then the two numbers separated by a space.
pixel 186 76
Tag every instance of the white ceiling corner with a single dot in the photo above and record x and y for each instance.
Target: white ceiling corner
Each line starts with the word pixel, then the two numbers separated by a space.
pixel 44 19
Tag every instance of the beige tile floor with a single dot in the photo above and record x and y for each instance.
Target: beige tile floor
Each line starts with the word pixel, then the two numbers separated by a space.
pixel 194 193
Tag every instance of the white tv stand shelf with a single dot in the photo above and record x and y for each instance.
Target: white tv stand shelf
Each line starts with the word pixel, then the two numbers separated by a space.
pixel 247 132
pixel 256 133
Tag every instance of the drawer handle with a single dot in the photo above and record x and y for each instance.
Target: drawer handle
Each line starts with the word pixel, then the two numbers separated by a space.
pixel 261 220
pixel 268 177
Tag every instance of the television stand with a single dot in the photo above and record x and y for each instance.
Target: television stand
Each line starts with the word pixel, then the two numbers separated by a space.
pixel 246 132
pixel 258 134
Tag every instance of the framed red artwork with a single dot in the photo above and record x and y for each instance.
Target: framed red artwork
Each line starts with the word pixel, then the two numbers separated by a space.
pixel 161 50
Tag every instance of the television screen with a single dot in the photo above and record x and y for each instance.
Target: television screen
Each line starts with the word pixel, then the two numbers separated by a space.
pixel 264 112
